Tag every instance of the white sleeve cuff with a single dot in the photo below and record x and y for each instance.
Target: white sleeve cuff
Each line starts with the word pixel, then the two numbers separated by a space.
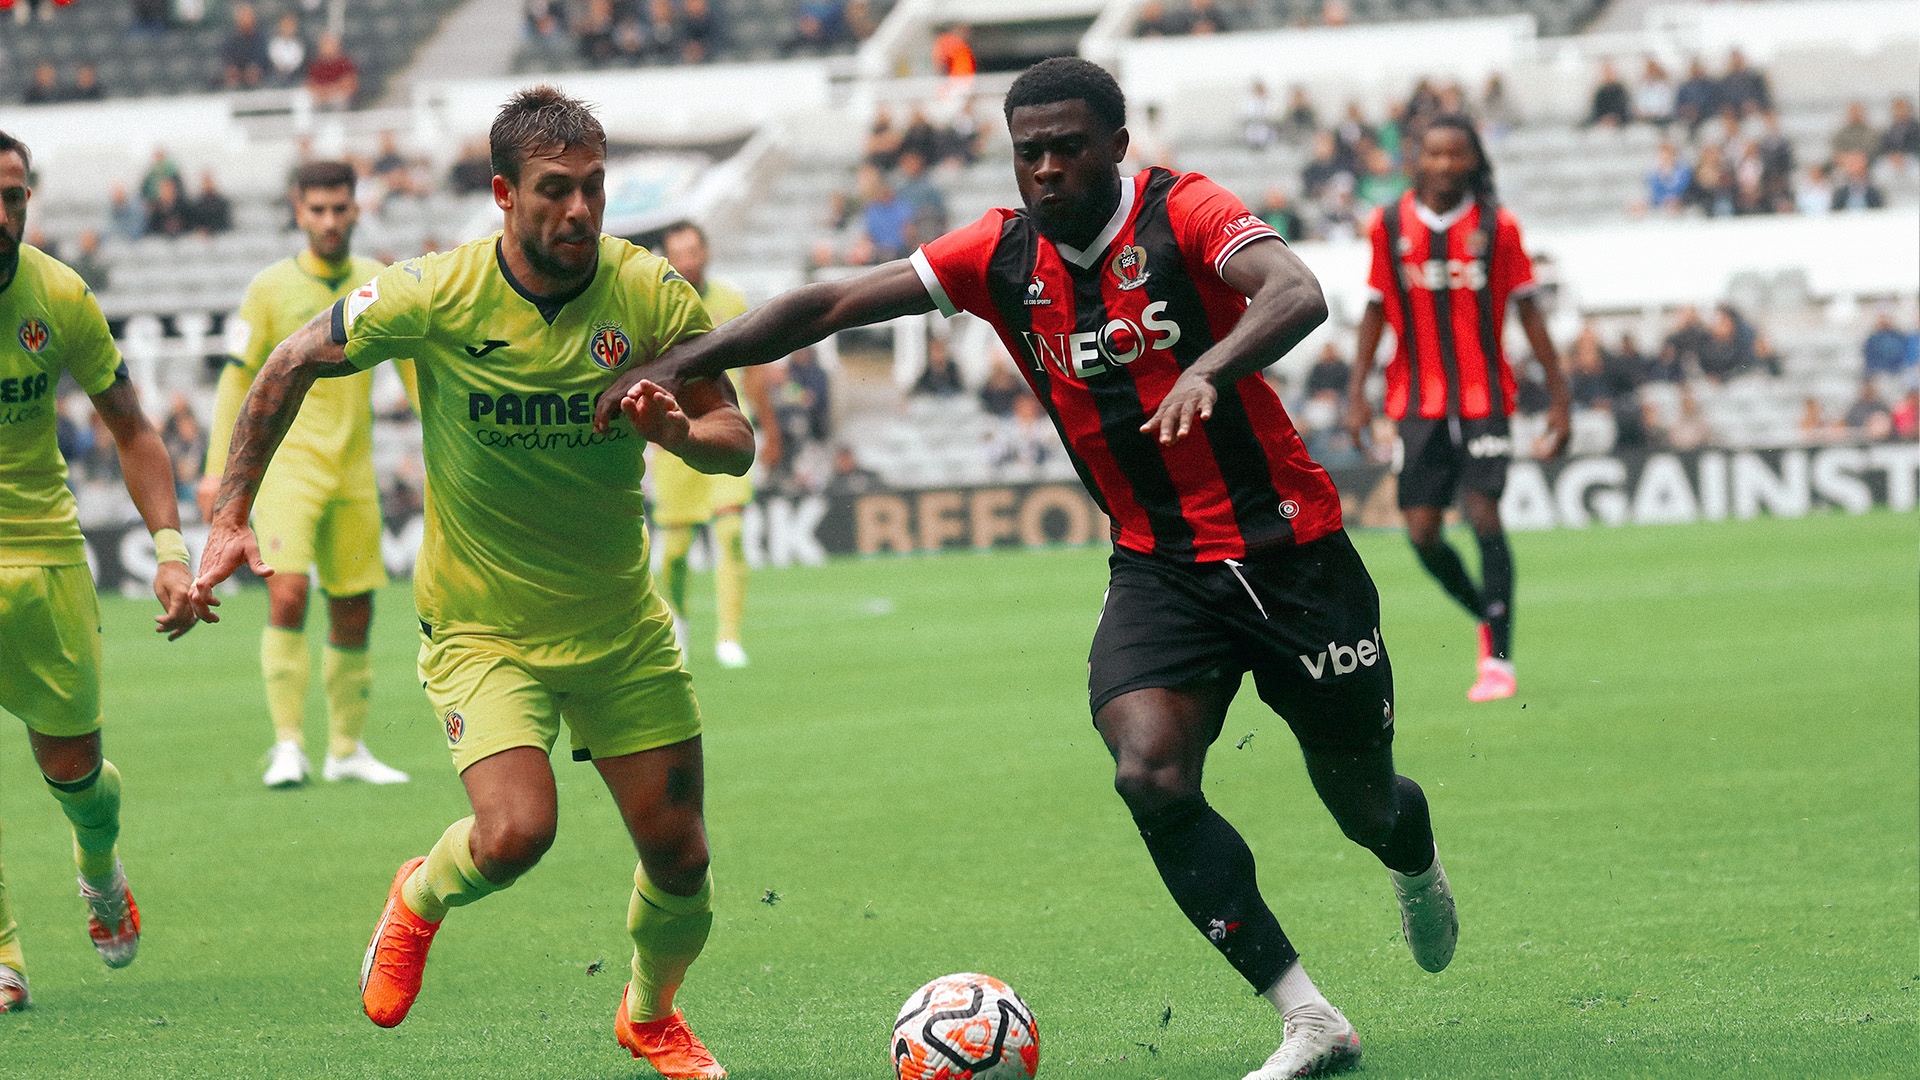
pixel 924 267
pixel 1261 233
pixel 1527 288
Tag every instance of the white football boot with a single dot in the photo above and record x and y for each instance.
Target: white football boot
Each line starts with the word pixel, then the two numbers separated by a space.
pixel 113 919
pixel 363 766
pixel 14 995
pixel 730 654
pixel 287 765
pixel 1427 915
pixel 1317 1043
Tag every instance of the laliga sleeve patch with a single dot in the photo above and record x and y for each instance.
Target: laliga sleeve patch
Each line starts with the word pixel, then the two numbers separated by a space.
pixel 359 301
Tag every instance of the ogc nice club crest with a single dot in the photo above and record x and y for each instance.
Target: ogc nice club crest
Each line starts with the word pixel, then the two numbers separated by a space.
pixel 33 334
pixel 609 347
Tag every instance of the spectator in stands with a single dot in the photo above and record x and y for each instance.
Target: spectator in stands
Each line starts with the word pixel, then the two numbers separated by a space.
pixel 1728 348
pixel 939 379
pixel 1681 349
pixel 1324 168
pixel 1156 21
pixel 126 217
pixel 1776 162
pixel 1750 195
pixel 1868 417
pixel 88 264
pixel 211 212
pixel 186 444
pixel 1352 135
pixel 472 173
pixel 1612 105
pixel 953 54
pixel 663 35
pixel 1886 349
pixel 817 28
pixel 151 16
pixel 919 137
pixel 848 478
pixel 1277 211
pixel 804 400
pixel 1856 136
pixel 287 52
pixel 888 220
pixel 1205 17
pixel 1766 358
pixel 545 17
pixel 86 85
pixel 1496 109
pixel 1633 366
pixel 1334 13
pixel 1300 120
pixel 1711 189
pixel 958 142
pixel 927 205
pixel 882 147
pixel 243 56
pixel 1690 430
pixel 1669 181
pixel 1906 417
pixel 1001 387
pixel 1382 181
pixel 699 31
pixel 37 237
pixel 167 215
pixel 860 21
pixel 1330 372
pixel 1696 99
pixel 332 78
pixel 45 87
pixel 1815 195
pixel 1901 143
pixel 163 168
pixel 1814 426
pixel 1259 120
pixel 1855 189
pixel 1018 447
pixel 1653 101
pixel 595 33
pixel 1588 380
pixel 1744 90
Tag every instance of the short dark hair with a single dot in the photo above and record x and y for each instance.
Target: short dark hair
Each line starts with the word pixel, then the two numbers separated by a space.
pixel 323 174
pixel 534 119
pixel 683 225
pixel 9 144
pixel 1065 78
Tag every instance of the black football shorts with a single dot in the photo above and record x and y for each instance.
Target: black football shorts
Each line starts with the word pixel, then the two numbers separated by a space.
pixel 1304 620
pixel 1437 457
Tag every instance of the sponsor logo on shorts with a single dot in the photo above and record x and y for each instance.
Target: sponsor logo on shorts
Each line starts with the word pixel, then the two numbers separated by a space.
pixel 1289 509
pixel 456 727
pixel 34 334
pixel 609 346
pixel 1346 659
pixel 1490 446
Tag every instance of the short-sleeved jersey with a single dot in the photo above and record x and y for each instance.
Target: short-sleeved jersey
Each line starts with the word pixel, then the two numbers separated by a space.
pixel 331 441
pixel 49 321
pixel 533 521
pixel 1457 272
pixel 1105 332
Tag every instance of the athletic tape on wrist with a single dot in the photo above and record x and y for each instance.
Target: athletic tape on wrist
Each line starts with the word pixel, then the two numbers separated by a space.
pixel 170 546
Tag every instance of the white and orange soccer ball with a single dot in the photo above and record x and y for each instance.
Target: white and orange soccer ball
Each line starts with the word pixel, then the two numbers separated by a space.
pixel 965 1027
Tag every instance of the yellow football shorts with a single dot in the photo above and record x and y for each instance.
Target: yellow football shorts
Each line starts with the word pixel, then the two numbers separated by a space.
pixel 620 691
pixel 50 648
pixel 304 529
pixel 685 496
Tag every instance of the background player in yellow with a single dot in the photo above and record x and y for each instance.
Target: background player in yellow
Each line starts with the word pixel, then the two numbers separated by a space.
pixel 684 497
pixel 319 506
pixel 49 618
pixel 534 594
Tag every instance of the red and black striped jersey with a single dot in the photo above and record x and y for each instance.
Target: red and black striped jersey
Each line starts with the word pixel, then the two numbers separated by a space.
pixel 1456 287
pixel 1104 333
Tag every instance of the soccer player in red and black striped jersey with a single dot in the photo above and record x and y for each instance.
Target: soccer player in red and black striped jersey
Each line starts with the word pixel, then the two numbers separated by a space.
pixel 1143 310
pixel 1446 260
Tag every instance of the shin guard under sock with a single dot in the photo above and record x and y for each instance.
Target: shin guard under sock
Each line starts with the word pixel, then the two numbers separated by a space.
pixel 449 878
pixel 92 804
pixel 1209 869
pixel 1444 564
pixel 668 933
pixel 347 677
pixel 729 574
pixel 675 542
pixel 1496 590
pixel 1409 847
pixel 284 662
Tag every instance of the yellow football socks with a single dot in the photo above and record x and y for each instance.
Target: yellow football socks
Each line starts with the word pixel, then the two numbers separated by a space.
pixel 283 659
pixel 730 574
pixel 93 805
pixel 675 542
pixel 347 677
pixel 668 933
pixel 9 934
pixel 448 879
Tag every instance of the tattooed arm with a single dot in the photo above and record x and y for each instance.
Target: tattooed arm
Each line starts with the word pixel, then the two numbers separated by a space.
pixel 265 415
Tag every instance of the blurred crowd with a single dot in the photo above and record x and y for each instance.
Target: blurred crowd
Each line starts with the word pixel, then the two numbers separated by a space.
pixel 895 201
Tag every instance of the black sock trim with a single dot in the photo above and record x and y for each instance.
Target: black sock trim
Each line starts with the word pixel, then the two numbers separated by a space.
pixel 74 787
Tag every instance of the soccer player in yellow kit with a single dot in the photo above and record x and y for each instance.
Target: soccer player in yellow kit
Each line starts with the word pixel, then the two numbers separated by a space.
pixel 686 498
pixel 533 589
pixel 49 617
pixel 319 506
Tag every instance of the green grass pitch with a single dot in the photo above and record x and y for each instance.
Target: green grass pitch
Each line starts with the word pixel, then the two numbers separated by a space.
pixel 1688 849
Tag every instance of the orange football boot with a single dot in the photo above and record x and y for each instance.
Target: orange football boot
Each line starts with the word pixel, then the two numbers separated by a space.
pixel 396 957
pixel 668 1044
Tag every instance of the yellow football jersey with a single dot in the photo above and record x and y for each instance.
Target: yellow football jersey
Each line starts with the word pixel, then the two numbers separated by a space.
pixel 533 524
pixel 51 322
pixel 329 448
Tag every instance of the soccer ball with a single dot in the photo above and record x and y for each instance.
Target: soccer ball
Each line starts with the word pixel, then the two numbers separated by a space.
pixel 965 1027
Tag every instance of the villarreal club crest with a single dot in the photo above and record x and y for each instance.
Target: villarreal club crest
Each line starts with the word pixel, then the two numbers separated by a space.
pixel 609 346
pixel 33 334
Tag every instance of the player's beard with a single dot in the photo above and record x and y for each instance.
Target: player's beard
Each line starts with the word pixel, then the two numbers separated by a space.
pixel 550 267
pixel 10 235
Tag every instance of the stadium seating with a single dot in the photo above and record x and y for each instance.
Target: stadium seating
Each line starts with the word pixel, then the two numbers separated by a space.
pixel 748 30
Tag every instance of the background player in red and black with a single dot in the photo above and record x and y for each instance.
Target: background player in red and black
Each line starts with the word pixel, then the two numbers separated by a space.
pixel 1143 310
pixel 1446 260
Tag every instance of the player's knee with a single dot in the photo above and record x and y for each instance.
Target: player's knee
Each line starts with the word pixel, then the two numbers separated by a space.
pixel 1370 827
pixel 680 866
pixel 511 846
pixel 1147 786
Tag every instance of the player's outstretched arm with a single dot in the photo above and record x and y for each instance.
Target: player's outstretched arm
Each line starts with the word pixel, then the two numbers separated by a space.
pixel 1284 304
pixel 149 476
pixel 265 415
pixel 1559 398
pixel 1359 413
pixel 702 426
pixel 784 325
